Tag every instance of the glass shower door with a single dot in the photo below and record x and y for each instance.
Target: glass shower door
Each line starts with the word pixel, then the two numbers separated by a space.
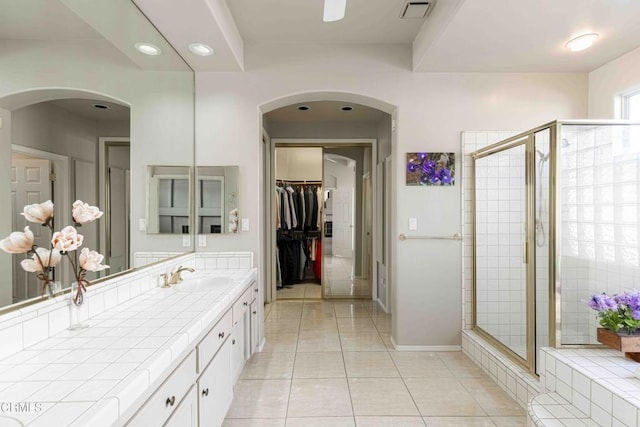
pixel 500 246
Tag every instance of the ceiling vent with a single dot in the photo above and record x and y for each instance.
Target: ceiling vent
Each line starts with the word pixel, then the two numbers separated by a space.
pixel 416 9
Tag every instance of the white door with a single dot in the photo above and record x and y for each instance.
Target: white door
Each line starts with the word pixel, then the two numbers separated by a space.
pixel 29 184
pixel 342 240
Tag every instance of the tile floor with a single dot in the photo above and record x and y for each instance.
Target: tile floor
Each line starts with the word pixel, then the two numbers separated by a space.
pixel 338 282
pixel 332 364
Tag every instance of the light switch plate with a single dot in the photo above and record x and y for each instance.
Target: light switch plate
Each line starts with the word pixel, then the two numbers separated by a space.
pixel 142 224
pixel 186 240
pixel 413 224
pixel 202 240
pixel 245 224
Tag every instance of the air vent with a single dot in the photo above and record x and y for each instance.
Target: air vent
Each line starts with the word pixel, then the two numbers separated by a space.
pixel 416 9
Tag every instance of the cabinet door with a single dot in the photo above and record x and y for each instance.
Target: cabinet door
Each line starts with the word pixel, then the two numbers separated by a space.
pixel 238 338
pixel 215 388
pixel 254 326
pixel 186 414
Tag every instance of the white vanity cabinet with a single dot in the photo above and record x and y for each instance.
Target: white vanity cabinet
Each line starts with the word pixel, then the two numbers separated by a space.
pixel 215 388
pixel 186 414
pixel 199 391
pixel 157 410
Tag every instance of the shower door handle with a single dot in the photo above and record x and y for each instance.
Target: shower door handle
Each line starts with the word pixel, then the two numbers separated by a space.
pixel 525 255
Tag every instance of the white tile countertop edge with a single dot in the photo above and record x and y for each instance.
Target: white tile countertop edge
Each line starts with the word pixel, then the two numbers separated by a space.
pixel 133 347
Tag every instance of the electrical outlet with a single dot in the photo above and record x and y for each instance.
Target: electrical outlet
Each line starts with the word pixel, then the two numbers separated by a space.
pixel 202 240
pixel 245 224
pixel 142 224
pixel 413 224
pixel 186 240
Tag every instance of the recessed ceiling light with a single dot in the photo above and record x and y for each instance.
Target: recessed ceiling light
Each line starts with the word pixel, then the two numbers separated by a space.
pixel 201 49
pixel 303 108
pixel 148 49
pixel 101 106
pixel 346 108
pixel 581 42
pixel 334 10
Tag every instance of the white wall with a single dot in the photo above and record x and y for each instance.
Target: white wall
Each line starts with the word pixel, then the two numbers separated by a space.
pixel 161 107
pixel 432 110
pixel 609 81
pixel 299 163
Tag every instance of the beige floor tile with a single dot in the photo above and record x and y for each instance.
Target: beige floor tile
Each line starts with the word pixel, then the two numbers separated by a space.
pixel 370 364
pixel 255 422
pixel 319 365
pixel 317 324
pixel 281 326
pixel 493 400
pixel 351 310
pixel 319 397
pixel 509 421
pixel 281 343
pixel 269 366
pixel 291 292
pixel 381 396
pixel 420 365
pixel 321 422
pixel 390 422
pixel 310 340
pixel 362 341
pixel 312 292
pixel 260 399
pixel 349 324
pixel 458 422
pixel 442 397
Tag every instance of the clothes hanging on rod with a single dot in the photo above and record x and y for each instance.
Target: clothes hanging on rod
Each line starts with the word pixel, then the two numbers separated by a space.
pixel 298 207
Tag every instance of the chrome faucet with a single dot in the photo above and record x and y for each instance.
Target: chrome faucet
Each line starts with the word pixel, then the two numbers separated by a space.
pixel 176 276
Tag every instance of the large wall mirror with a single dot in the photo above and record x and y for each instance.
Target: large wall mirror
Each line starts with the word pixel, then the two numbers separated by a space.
pixel 82 115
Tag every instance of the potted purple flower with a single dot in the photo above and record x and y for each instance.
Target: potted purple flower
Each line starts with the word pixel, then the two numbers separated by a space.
pixel 620 320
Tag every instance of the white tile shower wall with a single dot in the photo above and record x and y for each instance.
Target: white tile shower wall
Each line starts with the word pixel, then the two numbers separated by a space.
pixel 600 209
pixel 510 377
pixel 472 141
pixel 218 260
pixel 500 274
pixel 29 325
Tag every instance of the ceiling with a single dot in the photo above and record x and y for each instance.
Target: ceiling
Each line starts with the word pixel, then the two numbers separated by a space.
pixel 85 108
pixel 458 36
pixel 325 112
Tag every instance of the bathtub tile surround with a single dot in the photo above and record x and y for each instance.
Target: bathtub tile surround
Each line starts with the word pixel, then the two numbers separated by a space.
pixel 590 386
pixel 131 341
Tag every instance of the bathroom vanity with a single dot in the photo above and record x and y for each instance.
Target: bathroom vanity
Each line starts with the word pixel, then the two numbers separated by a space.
pixel 155 356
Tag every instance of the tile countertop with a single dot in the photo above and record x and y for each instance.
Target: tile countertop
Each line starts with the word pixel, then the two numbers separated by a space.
pixel 94 376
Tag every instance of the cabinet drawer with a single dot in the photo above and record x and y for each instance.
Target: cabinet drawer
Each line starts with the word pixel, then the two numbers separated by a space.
pixel 254 294
pixel 241 306
pixel 168 396
pixel 213 340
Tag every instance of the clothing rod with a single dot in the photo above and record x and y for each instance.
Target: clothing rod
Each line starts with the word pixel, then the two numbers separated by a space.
pixel 405 236
pixel 298 182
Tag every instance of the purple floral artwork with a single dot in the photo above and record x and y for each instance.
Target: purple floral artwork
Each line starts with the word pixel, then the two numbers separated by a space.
pixel 431 169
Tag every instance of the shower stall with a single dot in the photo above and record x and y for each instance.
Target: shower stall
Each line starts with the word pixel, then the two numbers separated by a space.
pixel 555 220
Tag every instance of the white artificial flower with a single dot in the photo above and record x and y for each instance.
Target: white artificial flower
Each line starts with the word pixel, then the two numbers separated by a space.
pixel 91 260
pixel 67 239
pixel 40 213
pixel 18 242
pixel 83 213
pixel 42 258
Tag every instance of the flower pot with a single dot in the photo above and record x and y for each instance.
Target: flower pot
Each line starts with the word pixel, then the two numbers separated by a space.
pixel 628 344
pixel 75 316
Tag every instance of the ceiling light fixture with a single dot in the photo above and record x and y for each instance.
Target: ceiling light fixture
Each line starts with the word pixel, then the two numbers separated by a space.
pixel 346 108
pixel 334 10
pixel 148 49
pixel 201 49
pixel 303 108
pixel 101 106
pixel 581 42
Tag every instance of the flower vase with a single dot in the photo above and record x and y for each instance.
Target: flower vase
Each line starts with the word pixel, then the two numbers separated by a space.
pixel 76 301
pixel 621 341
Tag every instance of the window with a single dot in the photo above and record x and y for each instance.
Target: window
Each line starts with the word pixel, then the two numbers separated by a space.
pixel 631 106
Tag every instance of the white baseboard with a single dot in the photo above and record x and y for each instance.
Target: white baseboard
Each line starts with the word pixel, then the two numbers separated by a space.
pixel 425 347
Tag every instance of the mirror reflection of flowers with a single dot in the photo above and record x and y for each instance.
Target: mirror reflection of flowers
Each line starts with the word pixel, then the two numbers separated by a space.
pixel 433 169
pixel 42 261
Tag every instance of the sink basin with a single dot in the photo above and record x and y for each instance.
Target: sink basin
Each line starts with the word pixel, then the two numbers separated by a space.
pixel 201 284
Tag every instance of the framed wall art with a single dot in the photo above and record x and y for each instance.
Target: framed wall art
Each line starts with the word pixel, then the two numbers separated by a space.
pixel 431 169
